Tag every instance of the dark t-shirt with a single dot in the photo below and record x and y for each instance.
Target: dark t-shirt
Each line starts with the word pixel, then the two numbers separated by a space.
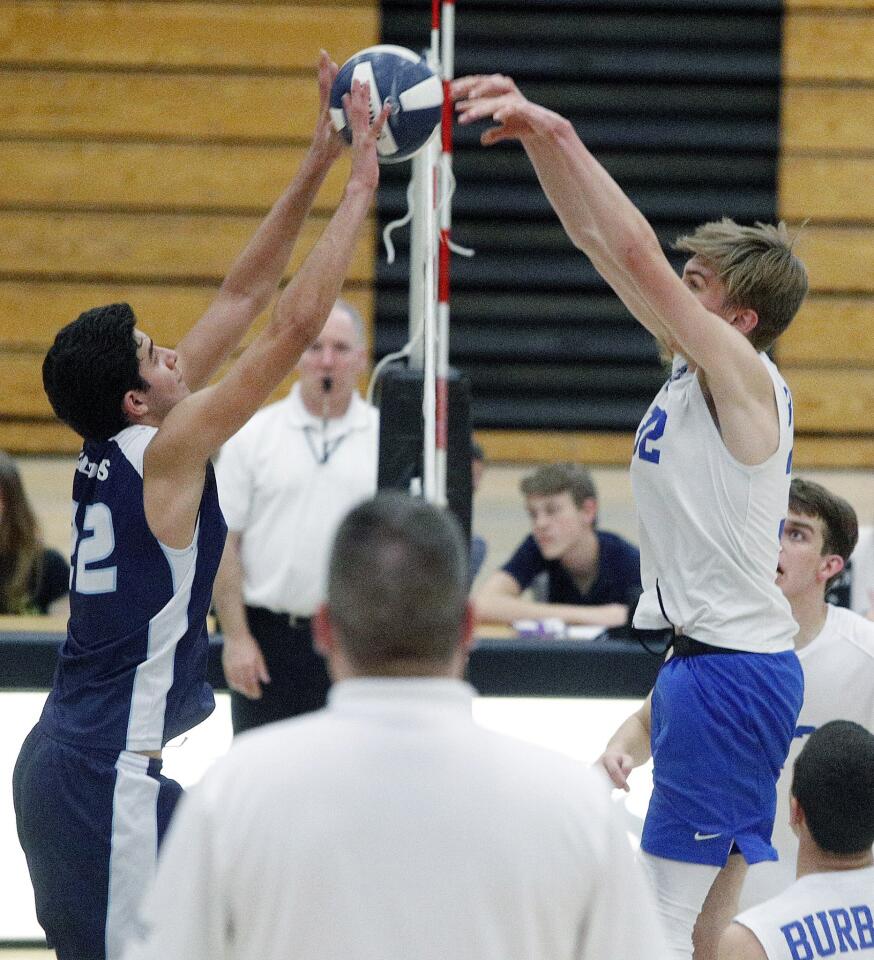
pixel 618 579
pixel 53 583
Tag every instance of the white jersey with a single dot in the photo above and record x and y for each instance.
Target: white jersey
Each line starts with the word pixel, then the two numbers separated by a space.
pixel 820 915
pixel 710 526
pixel 862 572
pixel 389 826
pixel 838 667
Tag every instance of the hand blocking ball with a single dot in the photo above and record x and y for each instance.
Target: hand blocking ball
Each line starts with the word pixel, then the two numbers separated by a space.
pixel 402 78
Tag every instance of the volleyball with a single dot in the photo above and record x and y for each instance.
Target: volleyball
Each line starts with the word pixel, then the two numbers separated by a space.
pixel 401 78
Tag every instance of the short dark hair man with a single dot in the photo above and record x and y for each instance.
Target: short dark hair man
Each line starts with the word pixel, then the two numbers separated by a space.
pixel 830 907
pixel 91 804
pixel 592 576
pixel 388 824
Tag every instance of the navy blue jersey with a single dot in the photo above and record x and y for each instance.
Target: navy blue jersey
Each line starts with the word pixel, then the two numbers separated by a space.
pixel 131 673
pixel 618 579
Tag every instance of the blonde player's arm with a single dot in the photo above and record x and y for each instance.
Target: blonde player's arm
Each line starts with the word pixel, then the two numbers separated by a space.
pixel 629 747
pixel 740 943
pixel 603 223
pixel 195 428
pixel 500 600
pixel 242 660
pixel 252 280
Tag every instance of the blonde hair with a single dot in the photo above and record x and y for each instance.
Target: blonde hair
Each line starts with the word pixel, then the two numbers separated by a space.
pixel 758 268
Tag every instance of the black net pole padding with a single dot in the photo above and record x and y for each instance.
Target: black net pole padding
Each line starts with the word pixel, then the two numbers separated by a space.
pixel 401 432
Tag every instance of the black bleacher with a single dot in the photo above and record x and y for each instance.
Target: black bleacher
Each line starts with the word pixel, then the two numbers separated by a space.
pixel 679 100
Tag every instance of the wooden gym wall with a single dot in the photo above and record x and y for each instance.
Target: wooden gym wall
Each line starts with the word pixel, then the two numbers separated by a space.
pixel 140 144
pixel 827 175
pixel 141 141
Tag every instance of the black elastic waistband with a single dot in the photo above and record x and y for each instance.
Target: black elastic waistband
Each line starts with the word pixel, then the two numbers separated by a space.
pixel 688 647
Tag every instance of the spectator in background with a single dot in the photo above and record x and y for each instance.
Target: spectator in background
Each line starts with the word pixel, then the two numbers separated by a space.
pixel 390 825
pixel 286 480
pixel 33 578
pixel 478 546
pixel 592 577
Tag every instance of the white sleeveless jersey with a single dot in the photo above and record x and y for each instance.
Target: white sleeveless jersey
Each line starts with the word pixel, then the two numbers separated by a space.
pixel 710 526
pixel 838 666
pixel 820 915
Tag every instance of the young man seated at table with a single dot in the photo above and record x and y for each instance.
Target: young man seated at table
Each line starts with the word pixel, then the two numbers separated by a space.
pixel 592 577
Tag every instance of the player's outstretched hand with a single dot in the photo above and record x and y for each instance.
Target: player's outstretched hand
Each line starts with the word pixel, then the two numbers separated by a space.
pixel 356 103
pixel 327 143
pixel 497 97
pixel 618 767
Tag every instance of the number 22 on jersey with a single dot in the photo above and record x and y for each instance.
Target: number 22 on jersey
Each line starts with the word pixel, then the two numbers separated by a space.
pixel 92 543
pixel 649 432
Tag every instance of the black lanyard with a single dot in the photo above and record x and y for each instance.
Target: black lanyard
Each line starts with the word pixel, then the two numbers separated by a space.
pixel 328 446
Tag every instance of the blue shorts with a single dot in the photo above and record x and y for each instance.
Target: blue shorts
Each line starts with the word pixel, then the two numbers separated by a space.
pixel 722 725
pixel 90 823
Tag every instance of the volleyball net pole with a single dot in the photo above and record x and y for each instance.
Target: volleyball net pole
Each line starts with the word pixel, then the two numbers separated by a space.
pixel 430 200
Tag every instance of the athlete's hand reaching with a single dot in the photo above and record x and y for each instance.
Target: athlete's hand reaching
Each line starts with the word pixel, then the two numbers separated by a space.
pixel 618 766
pixel 356 103
pixel 498 98
pixel 327 144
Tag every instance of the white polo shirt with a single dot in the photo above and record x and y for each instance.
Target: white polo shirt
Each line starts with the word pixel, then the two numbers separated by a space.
pixel 286 480
pixel 838 667
pixel 389 826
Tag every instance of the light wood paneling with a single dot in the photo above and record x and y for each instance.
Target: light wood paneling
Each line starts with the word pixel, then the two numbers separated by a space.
pixel 796 5
pixel 829 119
pixel 854 452
pixel 599 449
pixel 258 37
pixel 155 106
pixel 833 45
pixel 99 245
pixel 831 331
pixel 851 452
pixel 534 446
pixel 23 395
pixel 832 401
pixel 838 259
pixel 140 145
pixel 153 176
pixel 49 436
pixel 827 188
pixel 32 313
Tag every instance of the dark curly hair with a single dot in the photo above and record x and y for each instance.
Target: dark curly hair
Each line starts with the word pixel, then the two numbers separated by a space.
pixel 90 367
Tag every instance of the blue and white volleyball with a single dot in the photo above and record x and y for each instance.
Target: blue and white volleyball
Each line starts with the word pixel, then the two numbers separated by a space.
pixel 401 78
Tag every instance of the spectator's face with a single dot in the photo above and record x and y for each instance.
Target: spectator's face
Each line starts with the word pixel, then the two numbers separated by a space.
pixel 801 567
pixel 337 353
pixel 557 523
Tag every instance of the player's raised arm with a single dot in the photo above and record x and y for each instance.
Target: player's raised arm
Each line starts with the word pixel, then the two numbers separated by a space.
pixel 251 282
pixel 603 223
pixel 195 428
